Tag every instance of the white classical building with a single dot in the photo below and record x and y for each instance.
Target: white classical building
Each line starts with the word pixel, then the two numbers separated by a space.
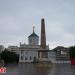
pixel 29 52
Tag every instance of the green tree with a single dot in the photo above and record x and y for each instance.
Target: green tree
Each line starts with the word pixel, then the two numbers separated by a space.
pixel 9 57
pixel 72 52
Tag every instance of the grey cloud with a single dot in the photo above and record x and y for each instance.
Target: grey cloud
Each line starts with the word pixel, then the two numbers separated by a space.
pixel 18 16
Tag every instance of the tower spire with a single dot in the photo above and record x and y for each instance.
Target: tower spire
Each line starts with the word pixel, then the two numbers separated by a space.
pixel 33 29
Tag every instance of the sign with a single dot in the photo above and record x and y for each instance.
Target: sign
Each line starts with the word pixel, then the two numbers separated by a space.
pixel 2 70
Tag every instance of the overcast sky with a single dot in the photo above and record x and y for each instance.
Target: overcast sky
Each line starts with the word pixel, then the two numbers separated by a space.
pixel 17 17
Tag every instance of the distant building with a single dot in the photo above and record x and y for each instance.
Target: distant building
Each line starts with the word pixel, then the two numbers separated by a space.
pixel 52 56
pixel 14 49
pixel 1 48
pixel 62 54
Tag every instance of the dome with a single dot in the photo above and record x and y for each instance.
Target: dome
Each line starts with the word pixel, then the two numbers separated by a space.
pixel 33 35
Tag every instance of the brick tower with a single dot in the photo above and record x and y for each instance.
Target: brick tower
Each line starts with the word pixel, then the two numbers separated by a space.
pixel 44 51
pixel 43 34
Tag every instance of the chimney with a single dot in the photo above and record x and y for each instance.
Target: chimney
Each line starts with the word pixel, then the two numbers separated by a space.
pixel 43 34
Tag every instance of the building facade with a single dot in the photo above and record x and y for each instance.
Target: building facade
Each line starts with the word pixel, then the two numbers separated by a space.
pixel 62 54
pixel 14 49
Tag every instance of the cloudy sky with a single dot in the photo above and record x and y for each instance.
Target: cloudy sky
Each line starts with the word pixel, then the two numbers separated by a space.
pixel 17 17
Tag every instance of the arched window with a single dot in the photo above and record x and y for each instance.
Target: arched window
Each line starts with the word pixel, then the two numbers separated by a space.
pixel 21 57
pixel 25 58
pixel 30 58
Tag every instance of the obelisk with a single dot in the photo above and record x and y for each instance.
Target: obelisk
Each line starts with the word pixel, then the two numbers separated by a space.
pixel 43 34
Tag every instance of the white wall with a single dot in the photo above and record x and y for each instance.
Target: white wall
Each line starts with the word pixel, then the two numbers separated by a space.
pixel 27 54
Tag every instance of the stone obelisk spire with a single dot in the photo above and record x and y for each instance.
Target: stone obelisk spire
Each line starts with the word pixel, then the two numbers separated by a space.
pixel 43 34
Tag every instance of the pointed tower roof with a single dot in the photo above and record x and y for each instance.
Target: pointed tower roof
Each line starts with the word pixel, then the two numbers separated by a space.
pixel 33 34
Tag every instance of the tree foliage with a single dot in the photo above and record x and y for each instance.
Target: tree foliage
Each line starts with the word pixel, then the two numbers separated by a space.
pixel 72 52
pixel 9 57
